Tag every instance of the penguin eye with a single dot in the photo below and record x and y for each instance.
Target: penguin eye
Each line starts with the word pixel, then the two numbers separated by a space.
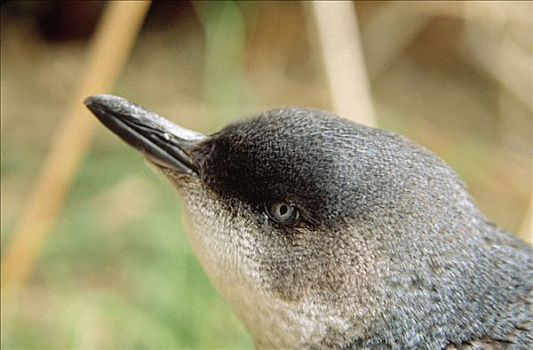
pixel 283 213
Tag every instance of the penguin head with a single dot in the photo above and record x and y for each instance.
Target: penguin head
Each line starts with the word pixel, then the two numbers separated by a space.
pixel 301 213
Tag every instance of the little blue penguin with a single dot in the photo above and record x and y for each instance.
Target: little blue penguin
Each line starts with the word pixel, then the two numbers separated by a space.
pixel 325 234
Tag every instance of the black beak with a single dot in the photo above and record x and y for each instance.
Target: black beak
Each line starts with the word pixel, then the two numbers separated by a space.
pixel 162 142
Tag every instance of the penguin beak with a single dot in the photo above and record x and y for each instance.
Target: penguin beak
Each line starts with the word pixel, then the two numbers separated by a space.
pixel 163 143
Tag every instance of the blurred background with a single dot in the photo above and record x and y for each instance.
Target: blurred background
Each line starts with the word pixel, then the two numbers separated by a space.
pixel 116 271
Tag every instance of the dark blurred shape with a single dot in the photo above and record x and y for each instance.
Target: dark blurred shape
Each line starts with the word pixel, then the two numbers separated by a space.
pixel 59 21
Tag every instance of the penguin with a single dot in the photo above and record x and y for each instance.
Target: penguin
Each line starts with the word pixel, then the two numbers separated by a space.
pixel 325 234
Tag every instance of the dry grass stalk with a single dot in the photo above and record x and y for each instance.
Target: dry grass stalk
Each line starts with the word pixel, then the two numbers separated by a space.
pixel 110 48
pixel 342 55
